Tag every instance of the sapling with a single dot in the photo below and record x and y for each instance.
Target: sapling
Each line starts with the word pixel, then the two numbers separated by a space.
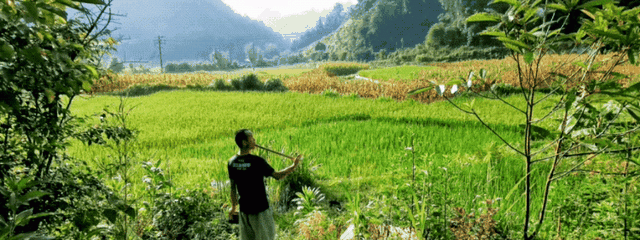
pixel 595 112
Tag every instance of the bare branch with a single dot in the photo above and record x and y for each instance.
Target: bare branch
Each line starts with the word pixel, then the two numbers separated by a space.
pixel 589 153
pixel 473 112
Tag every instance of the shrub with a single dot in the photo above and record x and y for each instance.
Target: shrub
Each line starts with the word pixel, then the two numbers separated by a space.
pixel 236 83
pixel 275 85
pixel 342 69
pixel 192 216
pixel 144 89
pixel 251 82
pixel 221 84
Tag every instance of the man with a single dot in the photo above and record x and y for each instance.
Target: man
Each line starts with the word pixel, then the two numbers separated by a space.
pixel 246 174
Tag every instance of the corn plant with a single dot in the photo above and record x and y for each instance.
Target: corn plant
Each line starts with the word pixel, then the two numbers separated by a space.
pixel 597 114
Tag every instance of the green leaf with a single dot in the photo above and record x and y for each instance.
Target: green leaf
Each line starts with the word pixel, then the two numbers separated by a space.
pixel 32 9
pixel 633 114
pixel 71 4
pixel 633 88
pixel 454 82
pixel 86 85
pixel 513 47
pixel 26 182
pixel 31 195
pixel 110 214
pixel 54 10
pixel 632 56
pixel 130 211
pixel 494 33
pixel 483 17
pixel 571 97
pixel 528 57
pixel 514 3
pixel 420 90
pixel 50 95
pixel 483 73
pixel 595 3
pixel 23 236
pixel 514 42
pixel 580 64
pixel 558 7
pixel 23 217
pixel 93 71
pixel 609 34
pixel 99 2
pixel 6 51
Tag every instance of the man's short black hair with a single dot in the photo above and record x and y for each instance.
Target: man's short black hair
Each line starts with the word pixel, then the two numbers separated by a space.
pixel 242 135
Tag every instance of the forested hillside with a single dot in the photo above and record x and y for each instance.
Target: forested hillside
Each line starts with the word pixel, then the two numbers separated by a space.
pixel 376 28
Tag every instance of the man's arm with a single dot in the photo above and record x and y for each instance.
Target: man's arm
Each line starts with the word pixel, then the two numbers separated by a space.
pixel 285 172
pixel 234 198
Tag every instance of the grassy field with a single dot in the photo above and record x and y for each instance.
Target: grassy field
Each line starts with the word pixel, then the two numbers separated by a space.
pixel 356 145
pixel 355 137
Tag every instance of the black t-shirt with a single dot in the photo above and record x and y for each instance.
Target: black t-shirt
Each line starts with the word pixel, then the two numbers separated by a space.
pixel 248 172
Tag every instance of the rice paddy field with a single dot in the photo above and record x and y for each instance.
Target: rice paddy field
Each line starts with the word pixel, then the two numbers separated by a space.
pixel 388 160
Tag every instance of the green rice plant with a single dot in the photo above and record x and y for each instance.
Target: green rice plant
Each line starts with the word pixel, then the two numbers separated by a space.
pixel 330 93
pixel 402 73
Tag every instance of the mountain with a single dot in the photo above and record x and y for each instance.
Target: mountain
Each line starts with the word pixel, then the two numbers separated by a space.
pixel 374 25
pixel 190 30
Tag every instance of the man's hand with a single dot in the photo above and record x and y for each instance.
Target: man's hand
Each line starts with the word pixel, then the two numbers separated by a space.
pixel 233 211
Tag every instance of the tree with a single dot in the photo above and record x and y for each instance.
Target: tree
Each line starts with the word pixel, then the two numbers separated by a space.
pixel 320 47
pixel 597 116
pixel 252 54
pixel 116 66
pixel 46 61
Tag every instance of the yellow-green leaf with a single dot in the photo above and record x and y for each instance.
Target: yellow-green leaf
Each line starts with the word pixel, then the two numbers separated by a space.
pixel 420 90
pixel 528 57
pixel 86 85
pixel 595 3
pixel 514 42
pixel 93 71
pixel 558 7
pixel 77 46
pixel 514 3
pixel 483 17
pixel 50 95
pixel 494 33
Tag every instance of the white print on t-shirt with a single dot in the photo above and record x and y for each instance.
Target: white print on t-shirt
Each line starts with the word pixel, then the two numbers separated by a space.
pixel 241 166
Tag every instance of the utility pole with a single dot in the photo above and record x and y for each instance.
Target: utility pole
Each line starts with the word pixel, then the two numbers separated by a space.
pixel 160 48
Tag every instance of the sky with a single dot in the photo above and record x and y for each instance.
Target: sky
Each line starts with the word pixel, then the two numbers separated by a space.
pixel 286 16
